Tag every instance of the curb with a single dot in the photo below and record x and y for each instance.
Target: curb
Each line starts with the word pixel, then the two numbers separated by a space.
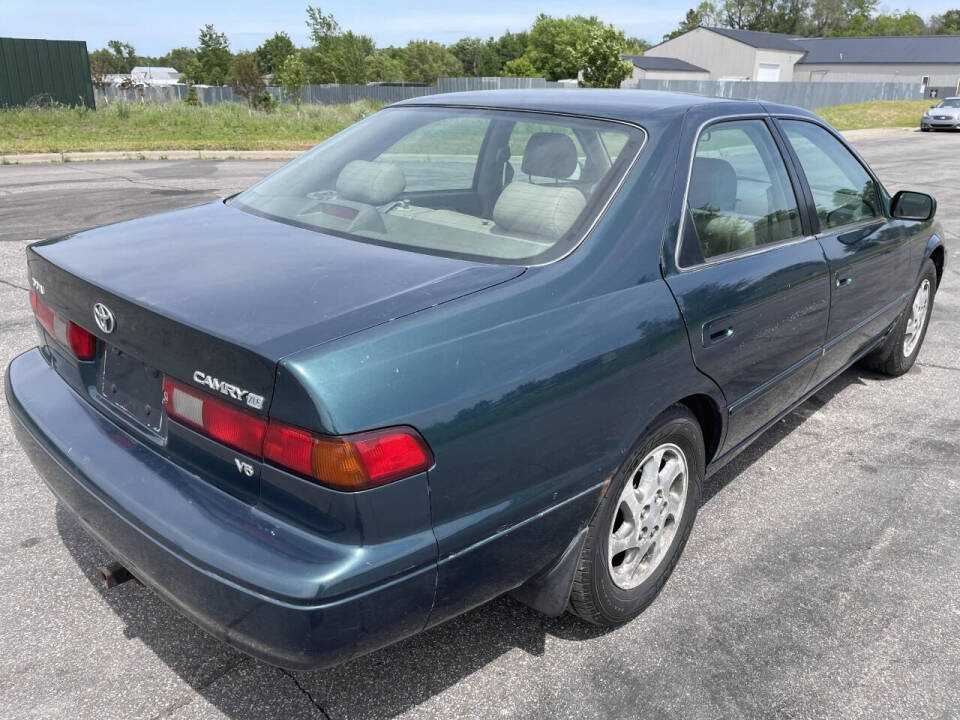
pixel 33 158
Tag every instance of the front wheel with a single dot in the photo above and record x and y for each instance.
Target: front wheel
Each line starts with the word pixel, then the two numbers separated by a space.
pixel 899 351
pixel 641 526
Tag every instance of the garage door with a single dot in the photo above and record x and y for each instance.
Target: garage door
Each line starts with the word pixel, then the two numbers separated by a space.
pixel 768 72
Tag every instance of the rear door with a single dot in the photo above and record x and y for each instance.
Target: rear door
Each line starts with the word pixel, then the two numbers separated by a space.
pixel 751 282
pixel 863 251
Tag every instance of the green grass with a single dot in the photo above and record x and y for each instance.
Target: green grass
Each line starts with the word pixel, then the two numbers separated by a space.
pixel 173 126
pixel 875 114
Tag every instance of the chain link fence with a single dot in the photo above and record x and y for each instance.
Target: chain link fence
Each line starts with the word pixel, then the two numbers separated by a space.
pixel 802 94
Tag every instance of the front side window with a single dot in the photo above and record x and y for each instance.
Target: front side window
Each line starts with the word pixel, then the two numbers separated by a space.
pixel 843 190
pixel 492 185
pixel 740 196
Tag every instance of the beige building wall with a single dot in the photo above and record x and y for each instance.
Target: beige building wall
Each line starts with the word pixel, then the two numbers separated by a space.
pixel 728 59
pixel 719 55
pixel 940 75
pixel 639 74
pixel 784 60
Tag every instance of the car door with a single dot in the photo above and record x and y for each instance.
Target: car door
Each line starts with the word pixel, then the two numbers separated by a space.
pixel 750 280
pixel 864 252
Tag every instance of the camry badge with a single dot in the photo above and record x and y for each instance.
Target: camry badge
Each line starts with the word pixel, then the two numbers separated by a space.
pixel 104 318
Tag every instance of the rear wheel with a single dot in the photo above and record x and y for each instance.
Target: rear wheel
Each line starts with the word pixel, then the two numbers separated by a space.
pixel 899 351
pixel 642 524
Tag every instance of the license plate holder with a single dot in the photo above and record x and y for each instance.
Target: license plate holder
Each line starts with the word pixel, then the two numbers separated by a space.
pixel 133 387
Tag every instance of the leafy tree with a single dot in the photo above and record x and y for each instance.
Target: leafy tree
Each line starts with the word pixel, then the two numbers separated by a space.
pixel 124 54
pixel 245 77
pixel 829 17
pixel 511 46
pixel 706 14
pixel 554 42
pixel 520 67
pixel 599 54
pixel 98 72
pixel 272 53
pixel 347 54
pixel 213 55
pixel 636 46
pixel 120 58
pixel 293 76
pixel 897 23
pixel 192 72
pixel 426 60
pixel 478 57
pixel 178 58
pixel 380 67
pixel 946 24
pixel 322 27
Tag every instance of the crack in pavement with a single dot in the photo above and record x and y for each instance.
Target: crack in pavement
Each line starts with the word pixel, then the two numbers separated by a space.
pixel 13 285
pixel 938 367
pixel 148 183
pixel 306 692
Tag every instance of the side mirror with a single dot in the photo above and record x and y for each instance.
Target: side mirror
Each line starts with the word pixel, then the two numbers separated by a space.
pixel 910 205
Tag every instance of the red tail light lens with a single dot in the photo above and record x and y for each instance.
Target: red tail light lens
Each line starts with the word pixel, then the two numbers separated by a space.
pixel 352 462
pixel 81 343
pixel 220 421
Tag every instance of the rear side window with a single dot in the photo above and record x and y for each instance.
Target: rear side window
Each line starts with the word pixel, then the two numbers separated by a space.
pixel 843 191
pixel 740 196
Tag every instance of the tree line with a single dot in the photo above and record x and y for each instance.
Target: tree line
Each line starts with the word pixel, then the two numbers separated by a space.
pixel 815 18
pixel 554 48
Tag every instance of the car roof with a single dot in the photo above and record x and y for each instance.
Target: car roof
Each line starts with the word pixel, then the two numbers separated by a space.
pixel 627 105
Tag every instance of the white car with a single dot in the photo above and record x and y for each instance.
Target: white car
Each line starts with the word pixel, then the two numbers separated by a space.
pixel 945 116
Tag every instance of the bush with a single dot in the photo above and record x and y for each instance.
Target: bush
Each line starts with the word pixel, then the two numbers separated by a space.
pixel 264 101
pixel 192 98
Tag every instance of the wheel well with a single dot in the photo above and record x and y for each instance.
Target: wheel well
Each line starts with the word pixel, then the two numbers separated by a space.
pixel 937 257
pixel 708 415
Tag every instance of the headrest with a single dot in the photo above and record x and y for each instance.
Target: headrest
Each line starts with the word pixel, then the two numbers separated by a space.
pixel 713 184
pixel 549 155
pixel 543 210
pixel 374 183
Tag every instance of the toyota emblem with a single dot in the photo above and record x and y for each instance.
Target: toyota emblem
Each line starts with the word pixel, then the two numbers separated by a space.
pixel 104 318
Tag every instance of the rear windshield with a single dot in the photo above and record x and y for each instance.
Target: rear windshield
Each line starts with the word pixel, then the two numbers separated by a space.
pixel 488 185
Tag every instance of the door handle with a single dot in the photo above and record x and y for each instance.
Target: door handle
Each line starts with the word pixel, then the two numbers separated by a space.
pixel 843 281
pixel 716 331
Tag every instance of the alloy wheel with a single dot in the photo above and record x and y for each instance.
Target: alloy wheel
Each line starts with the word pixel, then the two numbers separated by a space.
pixel 647 516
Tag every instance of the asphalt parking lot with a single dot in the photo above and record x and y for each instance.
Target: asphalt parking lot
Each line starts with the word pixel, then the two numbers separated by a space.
pixel 822 578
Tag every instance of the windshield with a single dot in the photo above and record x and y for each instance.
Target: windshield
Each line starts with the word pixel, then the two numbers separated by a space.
pixel 489 185
pixel 950 102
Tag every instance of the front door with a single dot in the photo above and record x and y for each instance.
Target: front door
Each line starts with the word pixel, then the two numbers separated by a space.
pixel 863 251
pixel 752 286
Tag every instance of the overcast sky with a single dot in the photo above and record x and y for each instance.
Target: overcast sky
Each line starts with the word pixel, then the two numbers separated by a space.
pixel 155 27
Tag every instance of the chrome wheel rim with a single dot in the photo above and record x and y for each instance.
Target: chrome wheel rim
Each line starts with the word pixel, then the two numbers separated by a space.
pixel 918 316
pixel 647 516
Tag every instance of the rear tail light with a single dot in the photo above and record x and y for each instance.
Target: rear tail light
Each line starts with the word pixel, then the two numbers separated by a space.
pixel 221 422
pixel 349 463
pixel 82 343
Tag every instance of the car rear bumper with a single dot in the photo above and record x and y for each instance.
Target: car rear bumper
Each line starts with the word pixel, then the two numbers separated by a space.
pixel 243 575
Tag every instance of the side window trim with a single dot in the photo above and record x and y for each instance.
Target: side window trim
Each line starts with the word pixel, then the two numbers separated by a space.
pixel 795 184
pixel 881 194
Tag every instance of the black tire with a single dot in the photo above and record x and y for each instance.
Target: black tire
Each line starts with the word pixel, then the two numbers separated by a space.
pixel 596 597
pixel 924 129
pixel 890 358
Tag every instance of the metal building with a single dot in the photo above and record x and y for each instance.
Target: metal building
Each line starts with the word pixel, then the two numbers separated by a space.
pixel 44 69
